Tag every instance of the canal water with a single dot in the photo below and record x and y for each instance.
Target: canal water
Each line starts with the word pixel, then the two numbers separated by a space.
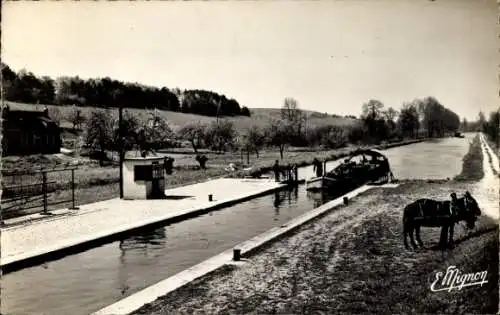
pixel 85 282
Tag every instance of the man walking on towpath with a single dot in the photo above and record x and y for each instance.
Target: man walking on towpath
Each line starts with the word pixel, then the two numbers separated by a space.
pixel 317 167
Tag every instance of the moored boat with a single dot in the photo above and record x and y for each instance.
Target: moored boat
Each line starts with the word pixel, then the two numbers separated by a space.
pixel 361 167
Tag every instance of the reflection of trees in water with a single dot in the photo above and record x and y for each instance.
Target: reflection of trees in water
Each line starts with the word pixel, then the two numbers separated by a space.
pixel 141 243
pixel 145 239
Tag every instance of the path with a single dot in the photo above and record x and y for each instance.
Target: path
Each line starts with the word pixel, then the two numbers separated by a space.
pixel 486 190
pixel 101 219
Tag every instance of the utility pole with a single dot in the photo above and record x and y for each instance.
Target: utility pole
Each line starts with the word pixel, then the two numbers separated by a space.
pixel 120 136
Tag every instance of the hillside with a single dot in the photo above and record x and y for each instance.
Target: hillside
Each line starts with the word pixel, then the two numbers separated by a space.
pixel 259 116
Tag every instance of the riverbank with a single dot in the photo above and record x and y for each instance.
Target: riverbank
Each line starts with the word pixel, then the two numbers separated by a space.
pixel 472 167
pixel 341 262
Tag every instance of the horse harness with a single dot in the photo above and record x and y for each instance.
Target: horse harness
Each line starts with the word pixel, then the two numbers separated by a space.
pixel 451 213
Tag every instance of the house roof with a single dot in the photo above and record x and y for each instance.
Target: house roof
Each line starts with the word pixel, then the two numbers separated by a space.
pixel 29 119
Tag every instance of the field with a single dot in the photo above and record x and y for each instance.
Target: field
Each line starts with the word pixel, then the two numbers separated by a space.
pixel 353 261
pixel 259 116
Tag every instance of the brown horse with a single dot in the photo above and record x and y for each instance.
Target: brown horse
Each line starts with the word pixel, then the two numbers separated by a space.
pixel 444 214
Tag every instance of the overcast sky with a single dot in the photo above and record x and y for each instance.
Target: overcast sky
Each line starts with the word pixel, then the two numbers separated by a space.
pixel 330 55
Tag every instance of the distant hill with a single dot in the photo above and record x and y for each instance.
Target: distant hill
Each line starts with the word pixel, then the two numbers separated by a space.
pixel 259 116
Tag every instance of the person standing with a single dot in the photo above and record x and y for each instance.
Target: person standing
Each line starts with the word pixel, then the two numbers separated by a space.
pixel 276 169
pixel 317 167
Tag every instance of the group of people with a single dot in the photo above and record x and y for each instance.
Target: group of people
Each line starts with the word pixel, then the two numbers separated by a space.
pixel 289 171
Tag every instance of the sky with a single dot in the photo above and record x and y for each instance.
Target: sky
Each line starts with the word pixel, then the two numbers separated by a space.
pixel 331 56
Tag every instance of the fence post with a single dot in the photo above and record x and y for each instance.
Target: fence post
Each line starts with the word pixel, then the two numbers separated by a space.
pixel 44 190
pixel 73 189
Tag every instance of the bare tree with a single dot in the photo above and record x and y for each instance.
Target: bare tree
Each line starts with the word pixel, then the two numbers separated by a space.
pixel 76 117
pixel 279 133
pixel 294 116
pixel 372 110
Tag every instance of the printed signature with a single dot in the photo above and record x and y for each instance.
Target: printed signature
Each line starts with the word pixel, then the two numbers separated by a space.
pixel 454 279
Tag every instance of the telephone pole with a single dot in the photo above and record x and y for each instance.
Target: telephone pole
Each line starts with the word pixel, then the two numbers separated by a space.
pixel 120 136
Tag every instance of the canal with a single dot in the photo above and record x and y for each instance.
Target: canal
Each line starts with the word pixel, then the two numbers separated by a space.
pixel 85 282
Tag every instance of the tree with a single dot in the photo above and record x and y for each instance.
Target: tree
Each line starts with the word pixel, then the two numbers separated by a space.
pixel 295 118
pixel 481 121
pixel 437 119
pixel 279 134
pixel 221 135
pixel 465 125
pixel 157 131
pixel 55 115
pixel 408 121
pixel 492 127
pixel 129 134
pixel 245 111
pixel 254 140
pixel 390 115
pixel 373 120
pixel 99 132
pixel 194 133
pixel 328 136
pixel 372 110
pixel 76 117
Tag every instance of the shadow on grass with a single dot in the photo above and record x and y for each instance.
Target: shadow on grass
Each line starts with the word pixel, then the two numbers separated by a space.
pixel 457 242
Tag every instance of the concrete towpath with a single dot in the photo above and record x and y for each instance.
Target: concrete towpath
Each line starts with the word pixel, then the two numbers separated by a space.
pixel 100 220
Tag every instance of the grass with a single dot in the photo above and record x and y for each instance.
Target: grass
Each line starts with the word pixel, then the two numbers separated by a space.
pixel 353 261
pixel 472 168
pixel 259 116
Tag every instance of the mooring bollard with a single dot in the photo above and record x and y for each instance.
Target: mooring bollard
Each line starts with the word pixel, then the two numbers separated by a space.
pixel 236 254
pixel 210 197
pixel 346 201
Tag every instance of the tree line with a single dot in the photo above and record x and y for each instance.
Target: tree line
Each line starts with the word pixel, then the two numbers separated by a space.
pixel 416 119
pixel 25 87
pixel 490 126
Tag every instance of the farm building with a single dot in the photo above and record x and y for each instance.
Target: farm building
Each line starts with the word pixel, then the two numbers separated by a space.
pixel 29 132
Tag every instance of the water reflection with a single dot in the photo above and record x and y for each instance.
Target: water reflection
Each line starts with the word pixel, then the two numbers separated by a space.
pixel 153 239
pixel 290 194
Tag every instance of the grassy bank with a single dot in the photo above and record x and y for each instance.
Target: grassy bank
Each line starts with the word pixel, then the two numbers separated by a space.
pixel 353 260
pixel 472 168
